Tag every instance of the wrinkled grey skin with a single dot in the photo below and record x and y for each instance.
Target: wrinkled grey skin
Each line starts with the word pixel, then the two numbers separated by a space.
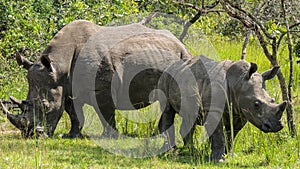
pixel 62 78
pixel 49 81
pixel 219 87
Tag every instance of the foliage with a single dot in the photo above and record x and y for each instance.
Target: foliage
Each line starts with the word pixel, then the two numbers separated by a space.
pixel 253 148
pixel 297 49
pixel 271 22
pixel 27 26
pixel 31 24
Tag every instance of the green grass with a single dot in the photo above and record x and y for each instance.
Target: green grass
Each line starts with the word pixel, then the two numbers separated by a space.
pixel 253 148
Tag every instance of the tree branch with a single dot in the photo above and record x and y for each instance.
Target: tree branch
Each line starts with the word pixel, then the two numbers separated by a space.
pixel 200 12
pixel 264 46
pixel 253 19
pixel 244 49
pixel 235 15
pixel 188 24
pixel 204 7
pixel 283 34
pixel 148 18
pixel 188 5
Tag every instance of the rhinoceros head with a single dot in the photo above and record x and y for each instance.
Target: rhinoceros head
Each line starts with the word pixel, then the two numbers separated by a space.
pixel 247 89
pixel 49 80
pixel 44 103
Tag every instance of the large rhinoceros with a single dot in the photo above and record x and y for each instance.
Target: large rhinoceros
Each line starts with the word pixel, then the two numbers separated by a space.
pixel 217 94
pixel 106 67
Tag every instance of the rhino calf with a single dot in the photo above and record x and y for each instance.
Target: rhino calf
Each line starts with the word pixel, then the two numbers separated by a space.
pixel 206 92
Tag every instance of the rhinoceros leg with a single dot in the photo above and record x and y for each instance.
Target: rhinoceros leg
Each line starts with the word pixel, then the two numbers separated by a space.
pixel 108 121
pixel 188 137
pixel 237 125
pixel 75 131
pixel 214 130
pixel 166 125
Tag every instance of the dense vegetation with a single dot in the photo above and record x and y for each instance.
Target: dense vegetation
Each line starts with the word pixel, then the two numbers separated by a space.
pixel 27 26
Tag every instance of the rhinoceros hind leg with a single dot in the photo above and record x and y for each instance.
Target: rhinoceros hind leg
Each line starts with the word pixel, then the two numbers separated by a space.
pixel 108 121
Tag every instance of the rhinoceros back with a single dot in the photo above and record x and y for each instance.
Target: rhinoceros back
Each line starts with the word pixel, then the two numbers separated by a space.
pixel 210 79
pixel 130 57
pixel 66 45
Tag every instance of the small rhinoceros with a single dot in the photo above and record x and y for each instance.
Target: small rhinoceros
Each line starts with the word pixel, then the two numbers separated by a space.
pixel 214 94
pixel 106 67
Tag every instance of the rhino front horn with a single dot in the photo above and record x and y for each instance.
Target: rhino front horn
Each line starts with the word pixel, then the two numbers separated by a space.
pixel 282 107
pixel 16 120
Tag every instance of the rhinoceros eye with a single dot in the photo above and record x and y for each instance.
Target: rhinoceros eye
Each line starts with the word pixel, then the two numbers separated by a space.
pixel 257 104
pixel 273 100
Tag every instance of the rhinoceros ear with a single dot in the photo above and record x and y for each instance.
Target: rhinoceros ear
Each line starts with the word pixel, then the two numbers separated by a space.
pixel 271 73
pixel 47 63
pixel 23 61
pixel 253 69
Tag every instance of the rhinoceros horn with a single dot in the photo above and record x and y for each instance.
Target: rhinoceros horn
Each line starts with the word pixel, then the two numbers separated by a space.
pixel 23 61
pixel 282 107
pixel 16 101
pixel 16 120
pixel 19 103
pixel 269 74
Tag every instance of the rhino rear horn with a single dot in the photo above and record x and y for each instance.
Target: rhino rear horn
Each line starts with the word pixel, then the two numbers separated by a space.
pixel 16 101
pixel 19 103
pixel 16 120
pixel 22 61
pixel 269 74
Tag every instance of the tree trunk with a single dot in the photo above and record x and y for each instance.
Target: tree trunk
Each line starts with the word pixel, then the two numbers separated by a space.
pixel 282 82
pixel 252 22
pixel 290 113
pixel 244 50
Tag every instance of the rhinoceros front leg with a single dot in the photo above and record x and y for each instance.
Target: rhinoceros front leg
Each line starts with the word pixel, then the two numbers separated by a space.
pixel 166 126
pixel 232 130
pixel 76 125
pixel 214 128
pixel 187 136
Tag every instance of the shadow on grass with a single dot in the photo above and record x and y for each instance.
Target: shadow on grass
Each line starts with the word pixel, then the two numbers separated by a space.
pixel 86 153
pixel 185 156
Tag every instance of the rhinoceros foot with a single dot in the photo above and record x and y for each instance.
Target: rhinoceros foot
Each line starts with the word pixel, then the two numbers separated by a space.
pixel 72 135
pixel 110 135
pixel 217 158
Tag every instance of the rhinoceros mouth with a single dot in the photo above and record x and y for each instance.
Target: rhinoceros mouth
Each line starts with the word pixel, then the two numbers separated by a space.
pixel 20 121
pixel 267 127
